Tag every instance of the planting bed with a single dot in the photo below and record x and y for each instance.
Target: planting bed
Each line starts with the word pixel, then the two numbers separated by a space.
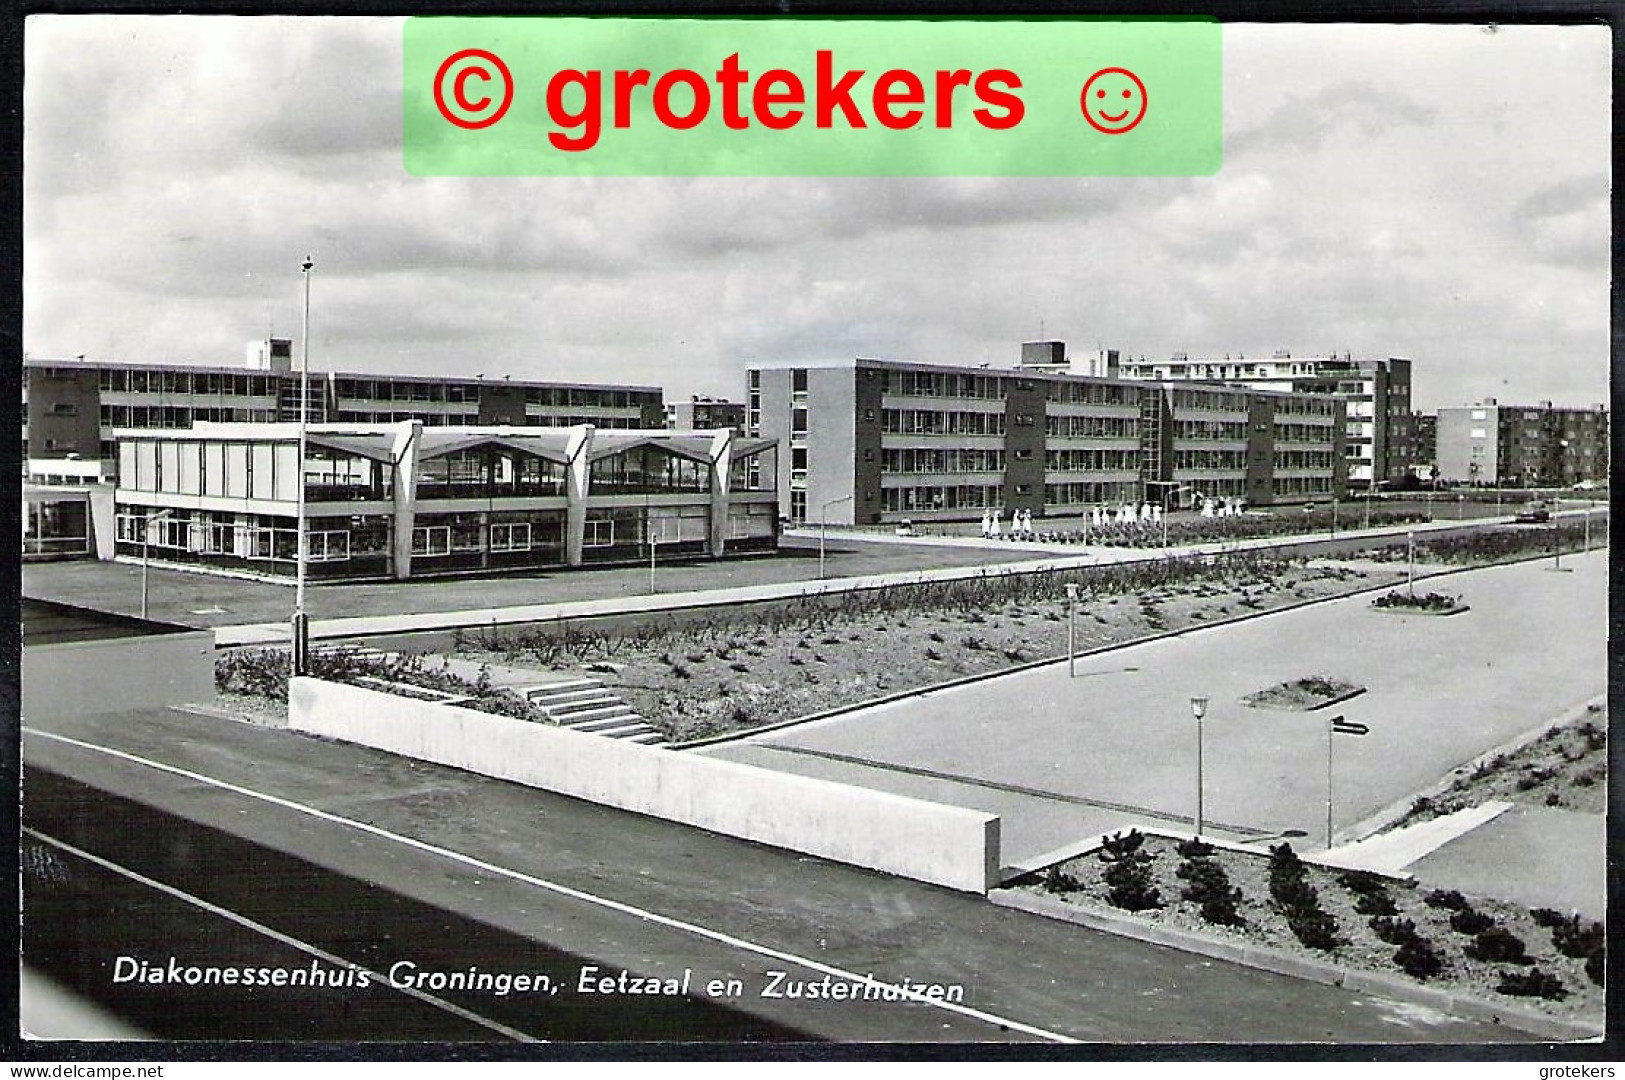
pixel 1248 898
pixel 739 670
pixel 1567 768
pixel 1304 695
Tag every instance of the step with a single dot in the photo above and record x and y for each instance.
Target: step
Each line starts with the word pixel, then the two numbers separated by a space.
pixel 565 697
pixel 595 707
pixel 552 687
pixel 605 723
pixel 648 738
pixel 636 727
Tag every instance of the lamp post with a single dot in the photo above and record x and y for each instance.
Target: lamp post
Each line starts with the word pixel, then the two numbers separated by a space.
pixel 823 515
pixel 1071 629
pixel 1334 517
pixel 1587 549
pixel 146 540
pixel 1198 710
pixel 301 623
pixel 1410 564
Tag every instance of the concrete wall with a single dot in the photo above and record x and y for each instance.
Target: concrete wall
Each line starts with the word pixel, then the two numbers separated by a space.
pixel 117 674
pixel 943 845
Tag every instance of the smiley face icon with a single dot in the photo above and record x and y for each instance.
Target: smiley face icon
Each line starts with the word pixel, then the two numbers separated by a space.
pixel 1113 100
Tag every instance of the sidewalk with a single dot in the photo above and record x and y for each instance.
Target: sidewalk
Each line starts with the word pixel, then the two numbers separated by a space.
pixel 1066 557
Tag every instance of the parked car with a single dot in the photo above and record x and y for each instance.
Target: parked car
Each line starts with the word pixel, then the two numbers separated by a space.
pixel 1535 514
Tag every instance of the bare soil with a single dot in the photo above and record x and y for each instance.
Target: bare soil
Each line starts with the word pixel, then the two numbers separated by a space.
pixel 1360 947
pixel 697 681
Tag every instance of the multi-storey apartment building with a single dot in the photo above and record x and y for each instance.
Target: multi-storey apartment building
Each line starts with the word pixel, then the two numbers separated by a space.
pixel 75 411
pixel 700 413
pixel 1535 445
pixel 866 441
pixel 1380 436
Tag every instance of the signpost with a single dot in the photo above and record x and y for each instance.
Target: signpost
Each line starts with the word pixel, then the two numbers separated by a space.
pixel 1337 726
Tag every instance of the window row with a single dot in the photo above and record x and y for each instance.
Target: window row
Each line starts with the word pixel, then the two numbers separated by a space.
pixel 908 460
pixel 1092 427
pixel 950 497
pixel 142 381
pixel 1092 460
pixel 1091 492
pixel 1221 460
pixel 933 422
pixel 1304 459
pixel 944 384
pixel 1093 393
pixel 1211 430
pixel 147 417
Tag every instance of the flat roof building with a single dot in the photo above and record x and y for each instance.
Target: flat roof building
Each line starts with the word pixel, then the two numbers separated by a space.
pixel 405 500
pixel 1540 445
pixel 75 411
pixel 865 441
pixel 1380 436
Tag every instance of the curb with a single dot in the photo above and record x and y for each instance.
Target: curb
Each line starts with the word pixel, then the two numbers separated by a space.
pixel 1264 958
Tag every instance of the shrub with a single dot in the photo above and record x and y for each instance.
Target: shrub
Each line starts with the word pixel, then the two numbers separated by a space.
pixel 1194 848
pixel 1596 967
pixel 1210 889
pixel 1393 930
pixel 1471 922
pixel 1497 946
pixel 1534 983
pixel 1378 904
pixel 1057 880
pixel 1449 899
pixel 1547 917
pixel 1577 939
pixel 1128 872
pixel 1418 958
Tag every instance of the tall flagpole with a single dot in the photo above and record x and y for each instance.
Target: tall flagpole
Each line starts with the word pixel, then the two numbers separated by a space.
pixel 301 624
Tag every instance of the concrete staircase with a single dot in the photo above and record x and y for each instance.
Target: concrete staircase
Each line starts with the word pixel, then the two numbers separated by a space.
pixel 590 706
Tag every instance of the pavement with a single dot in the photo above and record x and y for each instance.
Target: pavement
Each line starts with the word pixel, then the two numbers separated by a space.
pixel 1559 856
pixel 610 888
pixel 1055 756
pixel 1391 852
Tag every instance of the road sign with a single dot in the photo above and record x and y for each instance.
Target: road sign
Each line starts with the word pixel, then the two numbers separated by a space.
pixel 1349 727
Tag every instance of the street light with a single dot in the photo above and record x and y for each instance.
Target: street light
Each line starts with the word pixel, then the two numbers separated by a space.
pixel 1410 564
pixel 1198 710
pixel 301 622
pixel 1072 629
pixel 146 539
pixel 823 515
pixel 1588 530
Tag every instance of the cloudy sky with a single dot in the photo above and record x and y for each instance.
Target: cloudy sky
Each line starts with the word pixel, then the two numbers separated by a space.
pixel 1433 192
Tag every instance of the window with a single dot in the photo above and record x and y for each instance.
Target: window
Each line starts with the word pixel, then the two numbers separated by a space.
pixel 431 540
pixel 514 536
pixel 328 545
pixel 600 532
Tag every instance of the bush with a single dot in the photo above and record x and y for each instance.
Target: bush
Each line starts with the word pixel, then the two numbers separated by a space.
pixel 1210 889
pixel 1547 918
pixel 1534 983
pixel 1471 922
pixel 1194 848
pixel 1393 930
pixel 1128 873
pixel 1576 939
pixel 1418 958
pixel 1596 967
pixel 1449 899
pixel 1057 880
pixel 1298 901
pixel 1377 903
pixel 1497 946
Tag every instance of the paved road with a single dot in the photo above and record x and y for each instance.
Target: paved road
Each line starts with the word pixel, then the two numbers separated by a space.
pixel 1064 759
pixel 624 891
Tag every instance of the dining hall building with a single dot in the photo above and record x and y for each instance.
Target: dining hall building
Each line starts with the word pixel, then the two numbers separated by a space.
pixel 405 500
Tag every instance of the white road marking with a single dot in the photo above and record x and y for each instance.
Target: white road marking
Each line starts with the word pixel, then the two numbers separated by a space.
pixel 277 935
pixel 575 894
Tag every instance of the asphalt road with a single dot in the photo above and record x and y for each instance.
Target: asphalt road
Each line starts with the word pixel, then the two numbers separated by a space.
pixel 376 860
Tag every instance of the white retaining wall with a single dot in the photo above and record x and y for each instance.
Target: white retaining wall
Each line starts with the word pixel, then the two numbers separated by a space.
pixel 944 845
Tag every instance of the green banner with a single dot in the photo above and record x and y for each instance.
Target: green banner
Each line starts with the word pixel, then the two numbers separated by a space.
pixel 498 96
